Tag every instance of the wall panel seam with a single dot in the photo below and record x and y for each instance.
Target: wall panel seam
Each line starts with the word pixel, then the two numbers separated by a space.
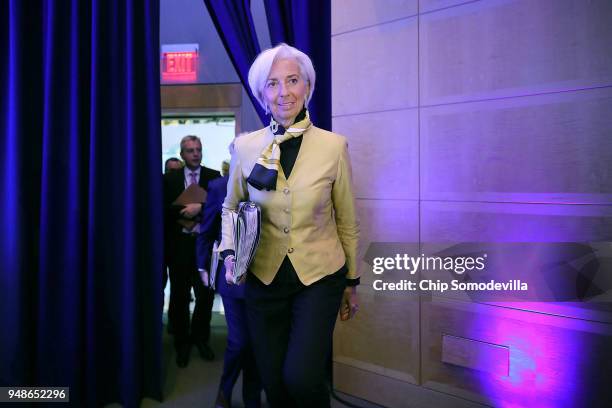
pixel 419 190
pixel 501 98
pixel 518 202
pixel 550 314
pixel 342 115
pixel 413 200
pixel 446 8
pixel 352 30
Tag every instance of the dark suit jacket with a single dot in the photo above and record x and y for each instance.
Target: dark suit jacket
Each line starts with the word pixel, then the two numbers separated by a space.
pixel 210 230
pixel 174 185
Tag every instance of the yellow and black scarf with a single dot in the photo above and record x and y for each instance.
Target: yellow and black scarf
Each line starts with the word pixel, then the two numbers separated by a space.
pixel 264 174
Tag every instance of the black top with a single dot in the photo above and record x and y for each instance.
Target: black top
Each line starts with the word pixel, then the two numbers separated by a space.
pixel 291 147
pixel 289 152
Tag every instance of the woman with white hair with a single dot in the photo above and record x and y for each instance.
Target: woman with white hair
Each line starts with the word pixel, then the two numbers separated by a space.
pixel 305 269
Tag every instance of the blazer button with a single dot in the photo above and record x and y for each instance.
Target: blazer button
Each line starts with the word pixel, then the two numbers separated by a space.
pixel 287 211
pixel 285 191
pixel 286 229
pixel 290 250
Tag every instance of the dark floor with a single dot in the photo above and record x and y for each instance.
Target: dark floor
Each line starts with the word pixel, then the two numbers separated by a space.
pixel 196 385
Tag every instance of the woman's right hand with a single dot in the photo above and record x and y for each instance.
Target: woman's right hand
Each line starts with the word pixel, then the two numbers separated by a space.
pixel 350 304
pixel 230 264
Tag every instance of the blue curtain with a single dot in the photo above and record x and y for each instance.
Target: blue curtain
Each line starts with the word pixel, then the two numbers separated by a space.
pixel 302 24
pixel 234 23
pixel 80 198
pixel 306 25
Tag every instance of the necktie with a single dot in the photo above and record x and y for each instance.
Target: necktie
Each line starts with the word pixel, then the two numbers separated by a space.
pixel 193 179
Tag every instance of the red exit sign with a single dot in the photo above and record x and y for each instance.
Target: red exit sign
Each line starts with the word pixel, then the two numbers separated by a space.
pixel 179 62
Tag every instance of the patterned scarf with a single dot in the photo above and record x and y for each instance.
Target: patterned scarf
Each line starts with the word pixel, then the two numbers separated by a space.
pixel 264 174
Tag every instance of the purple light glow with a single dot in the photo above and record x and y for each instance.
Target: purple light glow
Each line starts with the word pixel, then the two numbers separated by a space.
pixel 546 354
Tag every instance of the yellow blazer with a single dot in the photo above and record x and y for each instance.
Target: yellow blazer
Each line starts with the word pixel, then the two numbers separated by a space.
pixel 310 216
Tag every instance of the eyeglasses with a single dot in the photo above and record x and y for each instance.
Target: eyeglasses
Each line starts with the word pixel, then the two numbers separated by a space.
pixel 192 150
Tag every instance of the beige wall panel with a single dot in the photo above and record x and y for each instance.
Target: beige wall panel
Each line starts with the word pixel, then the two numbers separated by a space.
pixel 383 338
pixel 551 359
pixel 354 14
pixel 495 222
pixel 546 283
pixel 511 168
pixel 500 222
pixel 390 221
pixel 538 149
pixel 500 48
pixel 384 153
pixel 375 69
pixel 393 393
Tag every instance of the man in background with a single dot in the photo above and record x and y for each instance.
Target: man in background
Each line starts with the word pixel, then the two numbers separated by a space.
pixel 172 164
pixel 238 356
pixel 180 243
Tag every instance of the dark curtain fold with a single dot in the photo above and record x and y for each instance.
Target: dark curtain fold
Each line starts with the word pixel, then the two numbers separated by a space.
pixel 306 25
pixel 234 23
pixel 80 198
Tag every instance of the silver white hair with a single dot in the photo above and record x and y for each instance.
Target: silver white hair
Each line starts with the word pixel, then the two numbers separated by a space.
pixel 259 71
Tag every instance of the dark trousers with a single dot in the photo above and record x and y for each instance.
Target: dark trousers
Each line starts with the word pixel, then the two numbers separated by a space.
pixel 239 355
pixel 183 276
pixel 291 327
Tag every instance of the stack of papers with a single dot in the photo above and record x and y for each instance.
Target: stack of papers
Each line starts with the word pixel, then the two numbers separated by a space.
pixel 247 228
pixel 214 263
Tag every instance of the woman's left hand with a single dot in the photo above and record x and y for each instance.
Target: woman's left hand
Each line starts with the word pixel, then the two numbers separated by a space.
pixel 350 303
